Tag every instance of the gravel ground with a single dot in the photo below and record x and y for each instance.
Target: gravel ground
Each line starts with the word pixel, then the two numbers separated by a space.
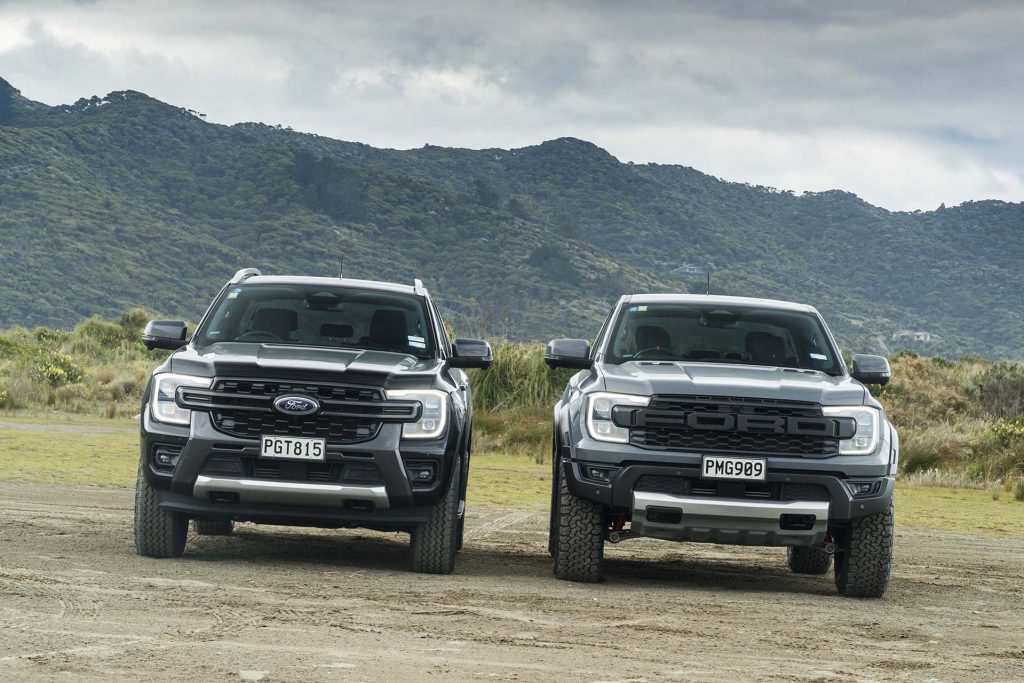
pixel 272 604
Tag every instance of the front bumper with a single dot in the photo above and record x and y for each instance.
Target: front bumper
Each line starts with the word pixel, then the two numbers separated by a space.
pixel 386 500
pixel 776 513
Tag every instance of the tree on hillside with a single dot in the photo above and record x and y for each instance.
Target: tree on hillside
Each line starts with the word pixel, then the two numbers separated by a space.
pixel 331 187
pixel 7 94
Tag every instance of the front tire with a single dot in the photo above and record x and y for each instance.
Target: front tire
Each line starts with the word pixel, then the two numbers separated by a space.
pixel 435 543
pixel 213 527
pixel 804 560
pixel 556 472
pixel 865 561
pixel 578 545
pixel 158 533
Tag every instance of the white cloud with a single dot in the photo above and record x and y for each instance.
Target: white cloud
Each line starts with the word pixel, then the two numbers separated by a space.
pixel 908 106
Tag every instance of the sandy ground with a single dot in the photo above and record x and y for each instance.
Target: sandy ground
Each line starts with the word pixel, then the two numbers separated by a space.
pixel 273 604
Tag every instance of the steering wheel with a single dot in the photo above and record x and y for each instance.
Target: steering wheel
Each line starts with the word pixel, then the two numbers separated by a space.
pixel 657 354
pixel 257 335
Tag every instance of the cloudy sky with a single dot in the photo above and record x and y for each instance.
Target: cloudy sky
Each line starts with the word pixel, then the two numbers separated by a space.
pixel 907 104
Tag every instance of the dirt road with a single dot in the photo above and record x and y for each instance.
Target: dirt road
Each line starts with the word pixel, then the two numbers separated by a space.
pixel 281 604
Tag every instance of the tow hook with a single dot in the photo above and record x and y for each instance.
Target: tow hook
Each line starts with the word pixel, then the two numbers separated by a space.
pixel 618 536
pixel 827 545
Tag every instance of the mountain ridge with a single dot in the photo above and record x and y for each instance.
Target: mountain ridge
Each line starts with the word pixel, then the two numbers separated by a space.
pixel 145 203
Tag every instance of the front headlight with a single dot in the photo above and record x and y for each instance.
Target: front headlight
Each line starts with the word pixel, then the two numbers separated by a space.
pixel 869 429
pixel 599 407
pixel 161 403
pixel 434 417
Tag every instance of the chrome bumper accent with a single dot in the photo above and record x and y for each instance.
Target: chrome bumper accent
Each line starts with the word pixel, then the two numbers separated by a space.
pixel 290 492
pixel 724 520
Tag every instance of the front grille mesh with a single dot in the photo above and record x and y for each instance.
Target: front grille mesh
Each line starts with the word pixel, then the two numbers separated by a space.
pixel 249 424
pixel 669 431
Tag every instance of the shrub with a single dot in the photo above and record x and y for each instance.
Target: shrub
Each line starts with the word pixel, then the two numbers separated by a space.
pixel 133 322
pixel 1000 390
pixel 56 369
pixel 51 338
pixel 105 334
pixel 1009 431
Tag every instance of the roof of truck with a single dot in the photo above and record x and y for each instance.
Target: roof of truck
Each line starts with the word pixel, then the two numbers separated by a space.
pixel 716 300
pixel 329 281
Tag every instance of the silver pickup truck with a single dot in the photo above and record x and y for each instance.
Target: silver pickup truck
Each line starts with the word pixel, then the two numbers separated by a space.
pixel 723 420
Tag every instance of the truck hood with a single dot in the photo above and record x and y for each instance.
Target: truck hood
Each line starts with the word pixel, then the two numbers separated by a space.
pixel 719 379
pixel 277 360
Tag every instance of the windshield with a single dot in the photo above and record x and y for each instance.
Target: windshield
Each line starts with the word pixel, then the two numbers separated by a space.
pixel 316 315
pixel 716 334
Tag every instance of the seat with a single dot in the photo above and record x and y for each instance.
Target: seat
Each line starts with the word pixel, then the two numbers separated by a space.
pixel 280 322
pixel 765 348
pixel 652 337
pixel 387 330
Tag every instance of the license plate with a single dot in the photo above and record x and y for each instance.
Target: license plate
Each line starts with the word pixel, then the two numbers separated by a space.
pixel 292 447
pixel 715 467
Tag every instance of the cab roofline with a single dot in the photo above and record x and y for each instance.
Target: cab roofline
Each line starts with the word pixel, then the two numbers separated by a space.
pixel 716 300
pixel 334 282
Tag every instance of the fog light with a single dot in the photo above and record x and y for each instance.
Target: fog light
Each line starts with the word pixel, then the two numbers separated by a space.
pixel 602 475
pixel 861 489
pixel 420 472
pixel 166 457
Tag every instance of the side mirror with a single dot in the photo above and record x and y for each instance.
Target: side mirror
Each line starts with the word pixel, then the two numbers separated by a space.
pixel 165 334
pixel 871 369
pixel 471 353
pixel 568 353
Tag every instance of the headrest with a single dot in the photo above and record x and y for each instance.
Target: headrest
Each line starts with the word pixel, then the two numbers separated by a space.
pixel 652 337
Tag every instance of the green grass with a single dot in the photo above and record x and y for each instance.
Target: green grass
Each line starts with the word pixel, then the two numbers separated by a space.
pixel 968 511
pixel 92 455
pixel 508 481
pixel 33 453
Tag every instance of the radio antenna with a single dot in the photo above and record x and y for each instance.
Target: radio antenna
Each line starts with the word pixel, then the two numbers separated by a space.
pixel 341 266
pixel 709 280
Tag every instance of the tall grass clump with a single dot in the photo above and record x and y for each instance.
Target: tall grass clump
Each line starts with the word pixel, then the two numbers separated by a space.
pixel 962 418
pixel 99 368
pixel 518 380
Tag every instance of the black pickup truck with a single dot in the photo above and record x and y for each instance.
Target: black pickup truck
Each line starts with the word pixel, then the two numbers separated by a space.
pixel 723 420
pixel 309 401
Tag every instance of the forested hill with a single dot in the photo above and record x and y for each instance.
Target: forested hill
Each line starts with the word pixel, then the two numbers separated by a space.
pixel 126 201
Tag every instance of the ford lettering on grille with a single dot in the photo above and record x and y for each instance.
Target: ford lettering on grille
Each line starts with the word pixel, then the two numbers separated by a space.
pixel 296 405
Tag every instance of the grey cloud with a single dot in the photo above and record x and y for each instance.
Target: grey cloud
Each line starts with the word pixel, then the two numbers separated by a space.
pixel 792 93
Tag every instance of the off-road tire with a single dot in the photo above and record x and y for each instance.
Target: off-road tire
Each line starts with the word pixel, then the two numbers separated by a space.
pixel 158 533
pixel 556 472
pixel 435 543
pixel 805 560
pixel 213 527
pixel 579 543
pixel 460 534
pixel 864 559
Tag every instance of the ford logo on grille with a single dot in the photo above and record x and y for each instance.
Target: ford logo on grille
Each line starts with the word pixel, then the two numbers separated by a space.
pixel 296 405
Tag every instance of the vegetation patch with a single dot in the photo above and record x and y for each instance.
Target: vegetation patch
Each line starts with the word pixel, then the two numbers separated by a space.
pixel 960 422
